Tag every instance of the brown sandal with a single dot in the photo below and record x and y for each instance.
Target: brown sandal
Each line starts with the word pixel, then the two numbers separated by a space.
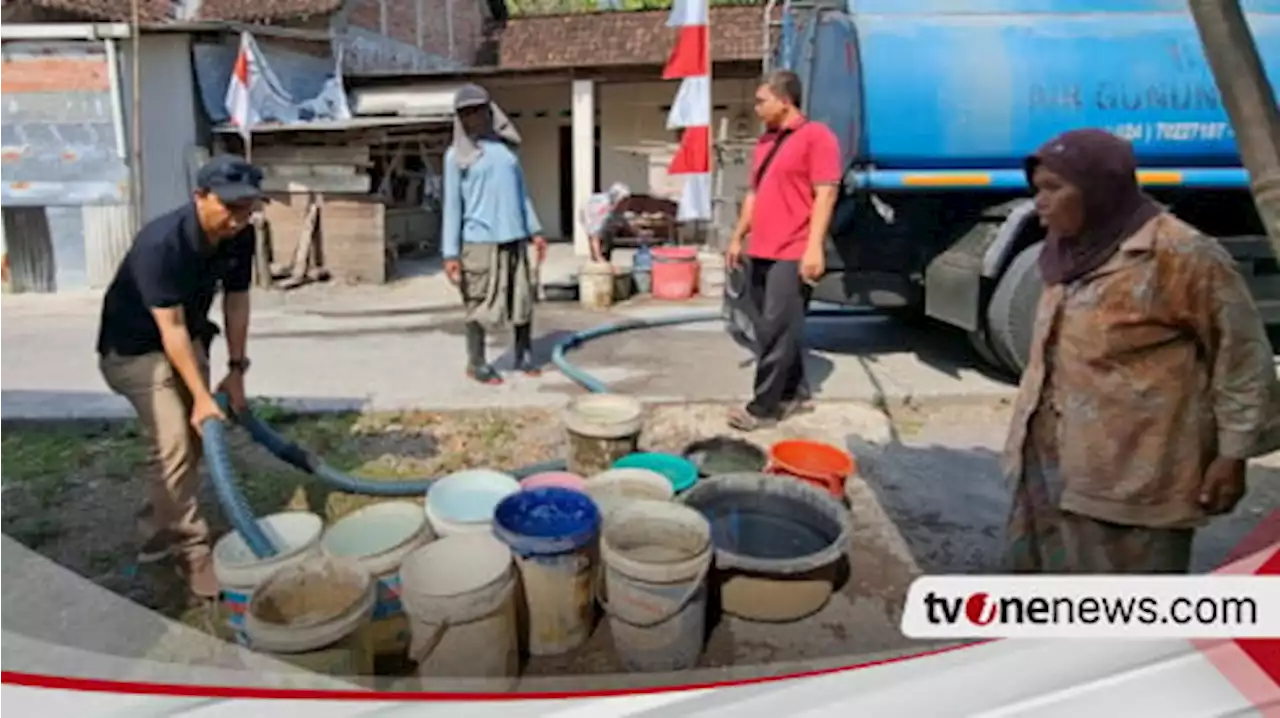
pixel 745 421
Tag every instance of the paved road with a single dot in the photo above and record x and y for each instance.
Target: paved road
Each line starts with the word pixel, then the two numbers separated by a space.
pixel 349 354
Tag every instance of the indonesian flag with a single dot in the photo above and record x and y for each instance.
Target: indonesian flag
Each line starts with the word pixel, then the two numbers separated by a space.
pixel 245 74
pixel 690 62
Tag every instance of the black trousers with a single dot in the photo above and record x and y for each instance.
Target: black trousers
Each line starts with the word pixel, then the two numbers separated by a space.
pixel 780 299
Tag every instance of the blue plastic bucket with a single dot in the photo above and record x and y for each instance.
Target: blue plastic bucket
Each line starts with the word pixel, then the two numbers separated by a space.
pixel 546 521
pixel 681 472
pixel 552 532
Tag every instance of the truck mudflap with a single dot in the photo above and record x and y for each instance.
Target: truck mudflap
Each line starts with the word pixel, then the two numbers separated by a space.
pixel 953 280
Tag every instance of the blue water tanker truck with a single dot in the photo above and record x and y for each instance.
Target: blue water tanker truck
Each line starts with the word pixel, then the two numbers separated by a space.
pixel 937 102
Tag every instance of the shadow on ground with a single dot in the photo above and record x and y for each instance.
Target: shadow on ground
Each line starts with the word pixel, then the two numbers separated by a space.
pixel 936 345
pixel 951 504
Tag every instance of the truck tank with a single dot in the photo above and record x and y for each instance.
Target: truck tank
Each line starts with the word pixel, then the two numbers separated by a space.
pixel 921 84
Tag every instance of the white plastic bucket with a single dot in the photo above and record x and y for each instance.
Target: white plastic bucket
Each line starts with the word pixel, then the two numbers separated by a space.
pixel 296 536
pixel 602 428
pixel 596 285
pixel 379 536
pixel 711 277
pixel 315 614
pixel 616 488
pixel 463 502
pixel 459 595
pixel 656 557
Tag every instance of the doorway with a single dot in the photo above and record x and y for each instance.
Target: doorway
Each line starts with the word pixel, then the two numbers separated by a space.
pixel 568 217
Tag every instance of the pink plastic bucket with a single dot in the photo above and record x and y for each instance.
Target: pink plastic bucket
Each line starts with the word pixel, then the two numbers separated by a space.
pixel 675 272
pixel 556 479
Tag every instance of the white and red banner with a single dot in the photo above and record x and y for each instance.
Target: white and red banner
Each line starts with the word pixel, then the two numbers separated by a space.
pixel 256 96
pixel 690 62
pixel 245 74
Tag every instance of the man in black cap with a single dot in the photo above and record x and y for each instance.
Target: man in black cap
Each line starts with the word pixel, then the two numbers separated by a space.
pixel 154 340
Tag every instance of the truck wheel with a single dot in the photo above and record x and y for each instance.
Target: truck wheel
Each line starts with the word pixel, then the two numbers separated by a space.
pixel 980 341
pixel 1011 314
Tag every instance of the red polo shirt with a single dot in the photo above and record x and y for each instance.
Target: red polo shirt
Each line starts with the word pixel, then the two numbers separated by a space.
pixel 784 197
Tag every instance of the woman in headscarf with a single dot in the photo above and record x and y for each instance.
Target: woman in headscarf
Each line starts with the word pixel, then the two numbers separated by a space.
pixel 598 219
pixel 489 226
pixel 1148 383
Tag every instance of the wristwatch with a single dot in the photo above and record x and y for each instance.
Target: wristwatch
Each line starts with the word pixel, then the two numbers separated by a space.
pixel 240 365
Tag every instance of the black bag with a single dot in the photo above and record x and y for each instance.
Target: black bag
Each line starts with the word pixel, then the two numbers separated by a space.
pixel 737 309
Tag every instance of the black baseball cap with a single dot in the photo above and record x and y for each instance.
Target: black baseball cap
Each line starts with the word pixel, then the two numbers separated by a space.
pixel 231 178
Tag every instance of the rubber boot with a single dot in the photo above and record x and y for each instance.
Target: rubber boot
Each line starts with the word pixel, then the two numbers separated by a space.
pixel 477 367
pixel 524 351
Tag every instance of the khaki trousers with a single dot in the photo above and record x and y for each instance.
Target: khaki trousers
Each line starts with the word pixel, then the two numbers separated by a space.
pixel 170 514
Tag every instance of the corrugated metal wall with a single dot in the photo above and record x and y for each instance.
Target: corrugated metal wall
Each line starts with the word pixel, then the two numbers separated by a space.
pixel 60 154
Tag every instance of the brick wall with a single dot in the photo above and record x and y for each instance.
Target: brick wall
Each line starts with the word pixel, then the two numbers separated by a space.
pixel 54 74
pixel 421 23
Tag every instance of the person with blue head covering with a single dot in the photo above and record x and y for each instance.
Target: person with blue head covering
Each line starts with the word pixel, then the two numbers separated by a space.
pixel 489 228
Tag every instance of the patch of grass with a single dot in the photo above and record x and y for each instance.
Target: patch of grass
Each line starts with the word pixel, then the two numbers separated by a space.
pixel 100 561
pixel 43 460
pixel 34 531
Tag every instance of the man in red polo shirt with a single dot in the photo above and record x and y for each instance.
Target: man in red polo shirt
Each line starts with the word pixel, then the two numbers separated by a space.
pixel 780 235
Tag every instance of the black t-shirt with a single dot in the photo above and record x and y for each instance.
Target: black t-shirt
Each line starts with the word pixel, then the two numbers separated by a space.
pixel 171 264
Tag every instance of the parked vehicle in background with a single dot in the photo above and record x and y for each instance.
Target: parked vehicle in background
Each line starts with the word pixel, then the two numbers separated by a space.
pixel 937 103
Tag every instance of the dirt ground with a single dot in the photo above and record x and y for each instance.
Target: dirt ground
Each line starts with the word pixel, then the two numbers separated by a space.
pixel 71 489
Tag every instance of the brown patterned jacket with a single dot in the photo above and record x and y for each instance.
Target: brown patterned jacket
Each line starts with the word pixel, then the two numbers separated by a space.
pixel 1156 363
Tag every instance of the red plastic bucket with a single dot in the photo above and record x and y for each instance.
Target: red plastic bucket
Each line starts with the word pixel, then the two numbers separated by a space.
pixel 823 465
pixel 675 272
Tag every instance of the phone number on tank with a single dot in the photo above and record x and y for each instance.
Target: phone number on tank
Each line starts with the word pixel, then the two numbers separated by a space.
pixel 1140 132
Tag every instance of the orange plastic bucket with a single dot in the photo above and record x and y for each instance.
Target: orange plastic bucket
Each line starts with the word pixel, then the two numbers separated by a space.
pixel 675 272
pixel 815 462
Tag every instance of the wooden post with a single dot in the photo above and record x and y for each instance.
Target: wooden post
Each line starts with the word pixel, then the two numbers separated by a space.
pixel 136 195
pixel 1249 100
pixel 261 262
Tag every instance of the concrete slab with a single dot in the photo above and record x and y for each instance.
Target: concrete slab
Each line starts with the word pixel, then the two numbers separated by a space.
pixel 393 355
pixel 58 623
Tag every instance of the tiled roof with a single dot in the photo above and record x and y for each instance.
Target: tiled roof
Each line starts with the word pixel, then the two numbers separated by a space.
pixel 621 38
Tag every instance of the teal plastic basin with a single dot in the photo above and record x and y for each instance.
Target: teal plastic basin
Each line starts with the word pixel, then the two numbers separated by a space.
pixel 681 472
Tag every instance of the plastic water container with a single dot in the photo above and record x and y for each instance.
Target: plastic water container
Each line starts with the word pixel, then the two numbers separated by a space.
pixel 463 502
pixel 681 472
pixel 616 488
pixel 460 596
pixel 656 556
pixel 642 269
pixel 315 615
pixel 596 285
pixel 379 536
pixel 296 536
pixel 675 272
pixel 561 479
pixel 601 429
pixel 552 533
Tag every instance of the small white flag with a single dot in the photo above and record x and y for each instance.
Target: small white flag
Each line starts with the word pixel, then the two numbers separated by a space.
pixel 244 74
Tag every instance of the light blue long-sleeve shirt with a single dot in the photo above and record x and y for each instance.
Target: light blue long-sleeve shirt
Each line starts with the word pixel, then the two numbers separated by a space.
pixel 489 203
